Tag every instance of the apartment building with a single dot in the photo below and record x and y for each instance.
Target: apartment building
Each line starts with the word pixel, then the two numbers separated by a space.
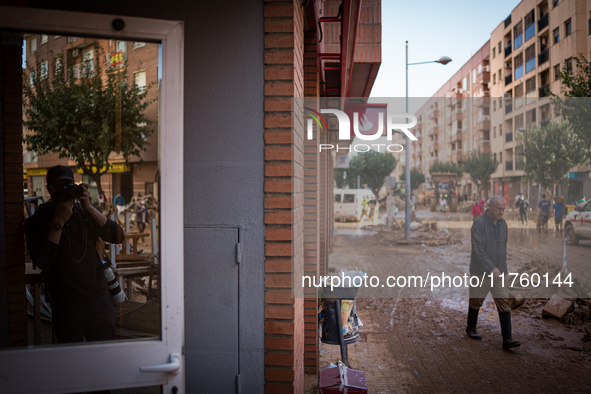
pixel 528 50
pixel 126 177
pixel 456 120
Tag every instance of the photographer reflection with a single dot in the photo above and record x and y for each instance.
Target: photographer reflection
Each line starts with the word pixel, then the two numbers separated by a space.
pixel 62 238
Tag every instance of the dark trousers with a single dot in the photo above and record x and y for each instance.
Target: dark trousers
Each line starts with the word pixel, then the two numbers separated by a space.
pixel 93 320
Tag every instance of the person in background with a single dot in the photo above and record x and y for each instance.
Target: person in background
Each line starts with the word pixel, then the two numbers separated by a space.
pixel 475 211
pixel 559 209
pixel 442 204
pixel 119 200
pixel 414 201
pixel 543 213
pixel 372 208
pixel 522 204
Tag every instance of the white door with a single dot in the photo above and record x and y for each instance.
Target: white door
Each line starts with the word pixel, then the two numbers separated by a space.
pixel 149 361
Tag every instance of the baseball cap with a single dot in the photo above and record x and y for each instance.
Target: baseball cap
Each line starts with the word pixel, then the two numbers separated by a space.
pixel 59 173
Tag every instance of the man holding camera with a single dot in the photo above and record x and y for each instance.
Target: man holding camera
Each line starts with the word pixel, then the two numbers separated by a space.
pixel 62 238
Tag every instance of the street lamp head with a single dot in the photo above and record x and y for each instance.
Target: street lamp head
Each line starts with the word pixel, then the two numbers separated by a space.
pixel 443 60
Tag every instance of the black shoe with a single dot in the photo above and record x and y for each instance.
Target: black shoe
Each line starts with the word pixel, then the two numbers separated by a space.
pixel 509 343
pixel 505 320
pixel 472 333
pixel 471 325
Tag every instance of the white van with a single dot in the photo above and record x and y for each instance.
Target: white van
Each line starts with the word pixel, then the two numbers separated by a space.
pixel 347 204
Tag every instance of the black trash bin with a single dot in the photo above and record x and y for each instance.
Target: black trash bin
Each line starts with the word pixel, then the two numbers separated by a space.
pixel 330 323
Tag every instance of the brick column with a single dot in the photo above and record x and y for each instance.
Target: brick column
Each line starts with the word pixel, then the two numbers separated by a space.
pixel 312 217
pixel 284 199
pixel 13 304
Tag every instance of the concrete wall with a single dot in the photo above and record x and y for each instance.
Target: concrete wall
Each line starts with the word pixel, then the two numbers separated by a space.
pixel 223 185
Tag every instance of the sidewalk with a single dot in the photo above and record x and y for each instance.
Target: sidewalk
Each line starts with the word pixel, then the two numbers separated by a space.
pixel 417 345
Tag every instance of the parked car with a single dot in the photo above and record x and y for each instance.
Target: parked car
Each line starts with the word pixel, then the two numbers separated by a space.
pixel 577 225
pixel 347 204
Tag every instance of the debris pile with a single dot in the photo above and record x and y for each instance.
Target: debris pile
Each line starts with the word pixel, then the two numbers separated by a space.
pixel 422 234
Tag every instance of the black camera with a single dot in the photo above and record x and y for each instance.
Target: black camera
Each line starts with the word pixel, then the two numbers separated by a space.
pixel 71 191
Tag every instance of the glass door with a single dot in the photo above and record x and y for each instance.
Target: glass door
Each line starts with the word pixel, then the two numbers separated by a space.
pixel 101 108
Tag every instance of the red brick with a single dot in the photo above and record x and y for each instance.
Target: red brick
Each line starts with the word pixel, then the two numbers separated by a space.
pixel 278 121
pixel 278 186
pixel 279 26
pixel 273 170
pixel 278 266
pixel 277 137
pixel 279 343
pixel 280 281
pixel 277 202
pixel 278 154
pixel 279 375
pixel 279 327
pixel 279 89
pixel 283 249
pixel 279 312
pixel 278 297
pixel 278 218
pixel 283 104
pixel 279 73
pixel 279 41
pixel 278 234
pixel 280 388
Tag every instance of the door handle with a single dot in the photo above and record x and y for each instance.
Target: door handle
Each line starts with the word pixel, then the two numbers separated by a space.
pixel 173 366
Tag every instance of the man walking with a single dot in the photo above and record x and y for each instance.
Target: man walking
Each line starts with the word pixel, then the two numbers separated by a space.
pixel 543 213
pixel 489 257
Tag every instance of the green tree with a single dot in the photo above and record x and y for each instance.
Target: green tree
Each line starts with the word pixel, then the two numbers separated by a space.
pixel 550 152
pixel 85 119
pixel 417 178
pixel 439 166
pixel 480 167
pixel 575 106
pixel 372 167
pixel 345 177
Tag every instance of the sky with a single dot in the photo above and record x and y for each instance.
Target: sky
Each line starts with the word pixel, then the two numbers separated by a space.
pixel 455 28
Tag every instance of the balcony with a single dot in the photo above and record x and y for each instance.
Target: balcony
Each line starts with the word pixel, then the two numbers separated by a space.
pixel 509 166
pixel 483 102
pixel 509 136
pixel 483 124
pixel 434 131
pixel 434 114
pixel 542 91
pixel 79 42
pixel 542 22
pixel 544 56
pixel 508 50
pixel 508 79
pixel 519 165
pixel 508 108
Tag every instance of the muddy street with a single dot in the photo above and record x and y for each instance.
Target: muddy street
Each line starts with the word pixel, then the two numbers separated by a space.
pixel 414 341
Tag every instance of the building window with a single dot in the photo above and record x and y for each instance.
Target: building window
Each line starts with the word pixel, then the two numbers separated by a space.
pixel 556 35
pixel 140 80
pixel 88 63
pixel 58 65
pixel 33 45
pixel 494 105
pixel 500 130
pixel 43 39
pixel 44 69
pixel 568 65
pixel 500 48
pixel 557 72
pixel 121 46
pixel 494 52
pixel 138 44
pixel 568 28
pixel 32 77
pixel 494 79
pixel 555 3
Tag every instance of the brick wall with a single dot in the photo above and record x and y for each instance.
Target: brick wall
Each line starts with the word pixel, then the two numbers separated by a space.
pixel 284 199
pixel 13 304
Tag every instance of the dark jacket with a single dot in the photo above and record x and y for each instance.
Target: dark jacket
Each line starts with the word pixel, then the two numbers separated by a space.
pixel 488 254
pixel 73 269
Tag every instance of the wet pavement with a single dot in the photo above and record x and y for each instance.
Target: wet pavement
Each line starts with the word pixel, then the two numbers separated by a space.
pixel 417 343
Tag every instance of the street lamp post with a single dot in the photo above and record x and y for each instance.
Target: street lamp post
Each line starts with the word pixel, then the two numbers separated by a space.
pixel 442 60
